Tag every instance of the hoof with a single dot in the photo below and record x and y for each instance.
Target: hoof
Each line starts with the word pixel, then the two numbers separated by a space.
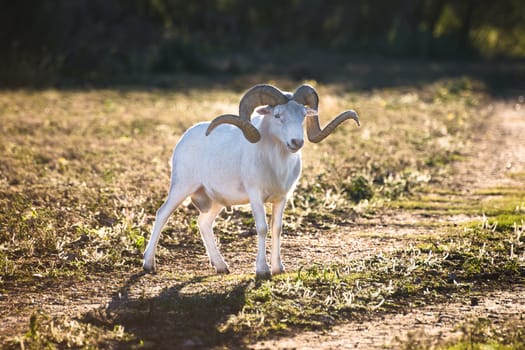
pixel 222 271
pixel 262 271
pixel 149 267
pixel 220 267
pixel 278 271
pixel 264 274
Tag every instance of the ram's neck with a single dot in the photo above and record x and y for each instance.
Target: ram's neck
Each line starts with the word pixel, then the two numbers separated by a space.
pixel 275 169
pixel 269 165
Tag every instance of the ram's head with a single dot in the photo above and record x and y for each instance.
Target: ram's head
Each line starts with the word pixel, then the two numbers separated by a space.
pixel 268 95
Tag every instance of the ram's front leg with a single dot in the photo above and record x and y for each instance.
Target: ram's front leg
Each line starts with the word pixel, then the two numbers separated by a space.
pixel 262 270
pixel 277 221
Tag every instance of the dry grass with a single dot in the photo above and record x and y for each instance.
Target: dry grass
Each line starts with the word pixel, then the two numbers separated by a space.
pixel 83 171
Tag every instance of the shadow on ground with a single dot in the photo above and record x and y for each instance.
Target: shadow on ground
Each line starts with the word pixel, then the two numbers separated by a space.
pixel 187 314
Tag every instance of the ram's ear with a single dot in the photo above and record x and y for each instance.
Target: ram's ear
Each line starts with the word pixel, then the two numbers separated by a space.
pixel 311 112
pixel 264 110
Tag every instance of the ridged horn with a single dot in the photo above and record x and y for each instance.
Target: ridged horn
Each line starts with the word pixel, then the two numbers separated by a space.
pixel 306 95
pixel 258 95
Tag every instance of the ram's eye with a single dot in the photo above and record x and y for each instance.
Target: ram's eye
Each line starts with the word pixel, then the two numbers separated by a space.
pixel 278 116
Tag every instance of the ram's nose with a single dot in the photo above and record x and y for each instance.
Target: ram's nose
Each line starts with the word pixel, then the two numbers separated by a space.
pixel 295 144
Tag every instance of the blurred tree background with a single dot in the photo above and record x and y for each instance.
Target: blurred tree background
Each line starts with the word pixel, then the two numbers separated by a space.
pixel 94 39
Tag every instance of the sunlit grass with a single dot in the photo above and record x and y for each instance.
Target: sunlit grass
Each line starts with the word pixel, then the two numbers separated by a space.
pixel 82 173
pixel 94 163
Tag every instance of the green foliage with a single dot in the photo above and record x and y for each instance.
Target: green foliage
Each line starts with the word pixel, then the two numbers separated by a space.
pixel 359 189
pixel 116 38
pixel 176 56
pixel 402 185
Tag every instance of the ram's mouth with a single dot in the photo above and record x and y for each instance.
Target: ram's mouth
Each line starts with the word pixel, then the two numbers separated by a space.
pixel 292 148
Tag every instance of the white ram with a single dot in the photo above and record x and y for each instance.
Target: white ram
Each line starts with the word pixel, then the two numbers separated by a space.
pixel 217 167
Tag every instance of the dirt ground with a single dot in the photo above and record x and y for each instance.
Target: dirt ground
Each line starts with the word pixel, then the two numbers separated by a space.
pixel 498 151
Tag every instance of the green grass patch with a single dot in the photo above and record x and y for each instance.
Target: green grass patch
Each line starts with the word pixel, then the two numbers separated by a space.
pixel 502 204
pixel 507 222
pixel 478 333
pixel 501 191
pixel 437 207
pixel 520 176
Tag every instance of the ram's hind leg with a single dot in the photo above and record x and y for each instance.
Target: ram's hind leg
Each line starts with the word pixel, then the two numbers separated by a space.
pixel 208 212
pixel 175 197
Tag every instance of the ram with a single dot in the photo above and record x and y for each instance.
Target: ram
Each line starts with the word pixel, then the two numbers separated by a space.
pixel 236 159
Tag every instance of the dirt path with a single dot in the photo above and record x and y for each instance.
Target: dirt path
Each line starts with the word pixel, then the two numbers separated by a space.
pixel 499 150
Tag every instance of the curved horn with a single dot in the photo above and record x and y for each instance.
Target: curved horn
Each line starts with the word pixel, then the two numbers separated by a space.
pixel 249 131
pixel 307 95
pixel 258 95
pixel 313 129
